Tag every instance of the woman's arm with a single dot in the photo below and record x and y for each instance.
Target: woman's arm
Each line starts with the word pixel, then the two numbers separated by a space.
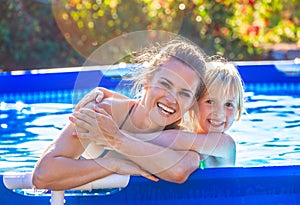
pixel 166 163
pixel 59 167
pixel 218 145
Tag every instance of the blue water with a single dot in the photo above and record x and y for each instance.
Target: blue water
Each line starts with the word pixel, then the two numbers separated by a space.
pixel 268 135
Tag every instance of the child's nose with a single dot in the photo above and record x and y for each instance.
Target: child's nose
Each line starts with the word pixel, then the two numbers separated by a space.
pixel 219 111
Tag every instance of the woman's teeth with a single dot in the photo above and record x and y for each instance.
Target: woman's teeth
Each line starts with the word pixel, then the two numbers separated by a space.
pixel 166 109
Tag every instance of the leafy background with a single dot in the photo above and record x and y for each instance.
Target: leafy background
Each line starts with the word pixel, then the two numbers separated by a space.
pixel 63 33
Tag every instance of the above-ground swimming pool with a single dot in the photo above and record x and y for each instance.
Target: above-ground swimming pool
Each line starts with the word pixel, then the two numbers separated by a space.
pixel 35 106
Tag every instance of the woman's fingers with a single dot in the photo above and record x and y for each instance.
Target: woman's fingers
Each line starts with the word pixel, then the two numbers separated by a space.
pixel 98 109
pixel 87 115
pixel 149 176
pixel 95 126
pixel 105 94
pixel 86 119
pixel 129 167
pixel 100 94
pixel 79 123
pixel 95 95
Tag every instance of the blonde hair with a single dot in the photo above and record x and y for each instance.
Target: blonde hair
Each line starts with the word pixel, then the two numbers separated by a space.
pixel 150 59
pixel 226 76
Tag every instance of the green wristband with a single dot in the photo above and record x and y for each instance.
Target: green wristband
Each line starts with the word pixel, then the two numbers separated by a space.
pixel 201 164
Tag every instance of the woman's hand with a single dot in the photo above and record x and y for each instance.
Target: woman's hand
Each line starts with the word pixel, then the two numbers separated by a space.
pixel 93 97
pixel 126 167
pixel 96 126
pixel 96 96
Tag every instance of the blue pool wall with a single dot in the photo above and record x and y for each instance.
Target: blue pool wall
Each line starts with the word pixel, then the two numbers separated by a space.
pixel 214 186
pixel 47 85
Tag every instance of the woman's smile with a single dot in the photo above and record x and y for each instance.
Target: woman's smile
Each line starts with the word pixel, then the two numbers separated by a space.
pixel 165 109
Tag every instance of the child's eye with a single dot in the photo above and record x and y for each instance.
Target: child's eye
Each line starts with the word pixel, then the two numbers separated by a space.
pixel 229 104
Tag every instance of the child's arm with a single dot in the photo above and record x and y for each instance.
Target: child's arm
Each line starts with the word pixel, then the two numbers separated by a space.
pixel 215 144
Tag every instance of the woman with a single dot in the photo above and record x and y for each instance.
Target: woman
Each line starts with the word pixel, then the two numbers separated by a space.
pixel 171 80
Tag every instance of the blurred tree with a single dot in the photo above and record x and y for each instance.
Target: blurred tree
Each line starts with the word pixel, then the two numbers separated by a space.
pixel 244 29
pixel 29 37
pixel 261 23
pixel 237 29
pixel 89 24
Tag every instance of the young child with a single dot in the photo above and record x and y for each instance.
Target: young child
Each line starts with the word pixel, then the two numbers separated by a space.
pixel 220 106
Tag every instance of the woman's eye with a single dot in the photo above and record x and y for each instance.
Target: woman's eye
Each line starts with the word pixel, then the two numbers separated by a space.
pixel 209 101
pixel 185 94
pixel 165 84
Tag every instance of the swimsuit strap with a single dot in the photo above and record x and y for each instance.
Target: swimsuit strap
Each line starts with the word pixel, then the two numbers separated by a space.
pixel 105 151
pixel 125 119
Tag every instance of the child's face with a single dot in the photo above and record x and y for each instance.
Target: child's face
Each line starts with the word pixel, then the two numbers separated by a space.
pixel 217 111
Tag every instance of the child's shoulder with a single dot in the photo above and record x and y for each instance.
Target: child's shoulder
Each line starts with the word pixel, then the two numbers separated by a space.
pixel 229 142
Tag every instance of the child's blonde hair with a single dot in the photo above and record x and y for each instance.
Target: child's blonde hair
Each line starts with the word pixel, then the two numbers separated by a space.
pixel 226 77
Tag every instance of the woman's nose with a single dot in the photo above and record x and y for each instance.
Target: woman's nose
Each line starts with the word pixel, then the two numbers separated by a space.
pixel 171 97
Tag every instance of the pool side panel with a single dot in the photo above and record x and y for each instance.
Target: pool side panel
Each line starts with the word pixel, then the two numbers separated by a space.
pixel 28 82
pixel 265 78
pixel 260 185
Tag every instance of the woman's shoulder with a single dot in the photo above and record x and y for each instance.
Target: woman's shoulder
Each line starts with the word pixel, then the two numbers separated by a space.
pixel 117 107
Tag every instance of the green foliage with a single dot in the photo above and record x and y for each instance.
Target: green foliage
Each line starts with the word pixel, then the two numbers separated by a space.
pixel 260 23
pixel 60 33
pixel 88 25
pixel 30 38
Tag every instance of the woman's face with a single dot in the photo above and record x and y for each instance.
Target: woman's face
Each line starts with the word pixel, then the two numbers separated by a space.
pixel 170 92
pixel 217 111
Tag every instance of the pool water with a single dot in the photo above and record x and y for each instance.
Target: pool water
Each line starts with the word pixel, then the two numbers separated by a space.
pixel 25 131
pixel 268 135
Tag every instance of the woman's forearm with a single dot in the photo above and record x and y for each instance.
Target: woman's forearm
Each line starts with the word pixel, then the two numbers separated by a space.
pixel 215 144
pixel 59 167
pixel 62 173
pixel 166 163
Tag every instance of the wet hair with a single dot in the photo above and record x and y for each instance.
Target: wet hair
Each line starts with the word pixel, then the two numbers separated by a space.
pixel 226 77
pixel 150 59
